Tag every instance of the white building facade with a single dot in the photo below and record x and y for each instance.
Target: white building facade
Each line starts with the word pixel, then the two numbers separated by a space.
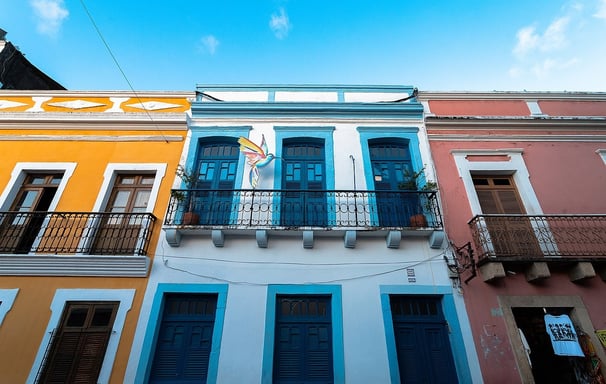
pixel 331 269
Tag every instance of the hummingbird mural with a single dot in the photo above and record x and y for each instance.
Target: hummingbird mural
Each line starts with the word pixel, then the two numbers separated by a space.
pixel 257 157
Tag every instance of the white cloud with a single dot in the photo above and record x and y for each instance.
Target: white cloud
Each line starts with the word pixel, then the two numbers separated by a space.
pixel 601 10
pixel 554 38
pixel 209 44
pixel 50 15
pixel 280 24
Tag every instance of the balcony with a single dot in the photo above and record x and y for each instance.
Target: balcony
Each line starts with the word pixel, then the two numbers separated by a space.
pixel 346 213
pixel 569 241
pixel 50 243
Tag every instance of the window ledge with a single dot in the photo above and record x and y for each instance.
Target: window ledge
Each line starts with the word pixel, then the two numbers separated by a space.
pixel 74 265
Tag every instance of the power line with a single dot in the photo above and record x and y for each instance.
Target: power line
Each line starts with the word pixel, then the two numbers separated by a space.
pixel 90 16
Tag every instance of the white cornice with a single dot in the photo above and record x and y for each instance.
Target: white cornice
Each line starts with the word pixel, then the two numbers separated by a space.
pixel 540 123
pixel 70 265
pixel 130 94
pixel 116 138
pixel 518 137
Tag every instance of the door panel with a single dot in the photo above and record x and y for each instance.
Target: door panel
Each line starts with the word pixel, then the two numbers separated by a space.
pixel 510 235
pixel 422 343
pixel 185 339
pixel 217 169
pixel 20 228
pixel 119 234
pixel 391 166
pixel 304 183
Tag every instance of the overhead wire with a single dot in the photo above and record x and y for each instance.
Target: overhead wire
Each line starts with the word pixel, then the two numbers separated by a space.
pixel 109 50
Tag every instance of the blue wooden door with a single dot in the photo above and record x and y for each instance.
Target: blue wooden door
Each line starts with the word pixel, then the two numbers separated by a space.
pixel 184 339
pixel 391 168
pixel 303 340
pixel 303 182
pixel 217 168
pixel 423 347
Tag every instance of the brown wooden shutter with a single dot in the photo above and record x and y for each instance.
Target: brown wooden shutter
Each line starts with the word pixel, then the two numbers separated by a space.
pixel 78 349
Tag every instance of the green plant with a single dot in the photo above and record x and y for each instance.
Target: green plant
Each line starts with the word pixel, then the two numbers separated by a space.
pixel 189 179
pixel 416 181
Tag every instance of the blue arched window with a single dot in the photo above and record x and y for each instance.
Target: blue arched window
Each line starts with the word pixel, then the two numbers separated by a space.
pixel 391 163
pixel 216 169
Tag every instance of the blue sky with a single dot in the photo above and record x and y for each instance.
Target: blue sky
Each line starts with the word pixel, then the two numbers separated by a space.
pixel 435 45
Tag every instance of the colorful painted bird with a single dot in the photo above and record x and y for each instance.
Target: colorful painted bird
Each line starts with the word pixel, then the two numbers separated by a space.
pixel 257 157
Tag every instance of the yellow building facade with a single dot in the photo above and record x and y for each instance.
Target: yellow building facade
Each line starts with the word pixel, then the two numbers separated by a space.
pixel 85 179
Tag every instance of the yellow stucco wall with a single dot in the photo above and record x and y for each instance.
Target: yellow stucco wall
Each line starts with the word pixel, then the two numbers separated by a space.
pixel 104 140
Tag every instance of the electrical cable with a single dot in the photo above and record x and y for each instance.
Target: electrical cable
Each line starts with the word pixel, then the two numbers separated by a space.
pixel 90 16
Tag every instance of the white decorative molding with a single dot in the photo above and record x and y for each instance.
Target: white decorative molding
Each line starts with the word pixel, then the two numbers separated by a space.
pixel 74 265
pixel 172 236
pixel 602 153
pixel 308 239
pixel 7 298
pixel 515 166
pixel 153 105
pixel 218 238
pixel 18 176
pixel 261 236
pixel 393 239
pixel 38 100
pixel 117 104
pixel 121 138
pixel 10 104
pixel 436 239
pixel 76 104
pixel 350 239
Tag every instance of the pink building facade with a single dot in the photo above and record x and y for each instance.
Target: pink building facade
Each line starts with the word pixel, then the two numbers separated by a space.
pixel 522 179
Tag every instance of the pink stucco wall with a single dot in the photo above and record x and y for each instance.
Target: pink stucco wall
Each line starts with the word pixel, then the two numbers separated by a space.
pixel 567 177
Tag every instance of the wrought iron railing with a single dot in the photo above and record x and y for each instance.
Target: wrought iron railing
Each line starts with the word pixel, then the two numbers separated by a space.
pixel 75 233
pixel 538 236
pixel 291 209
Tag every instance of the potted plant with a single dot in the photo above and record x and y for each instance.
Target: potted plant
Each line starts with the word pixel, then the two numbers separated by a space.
pixel 415 181
pixel 184 198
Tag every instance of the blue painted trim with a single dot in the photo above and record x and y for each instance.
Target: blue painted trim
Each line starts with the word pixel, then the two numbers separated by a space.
pixel 337 326
pixel 305 88
pixel 325 133
pixel 450 313
pixel 198 133
pixel 155 318
pixel 336 110
pixel 409 134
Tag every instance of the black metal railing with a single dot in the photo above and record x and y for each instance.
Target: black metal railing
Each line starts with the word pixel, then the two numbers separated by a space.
pixel 250 208
pixel 538 236
pixel 75 233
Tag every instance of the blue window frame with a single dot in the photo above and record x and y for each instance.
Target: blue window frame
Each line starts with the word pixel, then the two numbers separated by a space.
pixel 303 339
pixel 392 168
pixel 421 336
pixel 185 339
pixel 304 312
pixel 154 329
pixel 446 310
pixel 304 182
pixel 392 163
pixel 217 166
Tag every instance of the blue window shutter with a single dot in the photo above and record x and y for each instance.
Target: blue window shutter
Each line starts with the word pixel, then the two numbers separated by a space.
pixel 185 339
pixel 303 350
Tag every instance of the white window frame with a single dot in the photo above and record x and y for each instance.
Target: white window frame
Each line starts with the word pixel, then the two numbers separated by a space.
pixel 125 299
pixel 7 298
pixel 602 153
pixel 515 167
pixel 109 179
pixel 21 170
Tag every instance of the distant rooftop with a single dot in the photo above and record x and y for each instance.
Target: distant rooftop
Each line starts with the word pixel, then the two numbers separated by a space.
pixel 16 72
